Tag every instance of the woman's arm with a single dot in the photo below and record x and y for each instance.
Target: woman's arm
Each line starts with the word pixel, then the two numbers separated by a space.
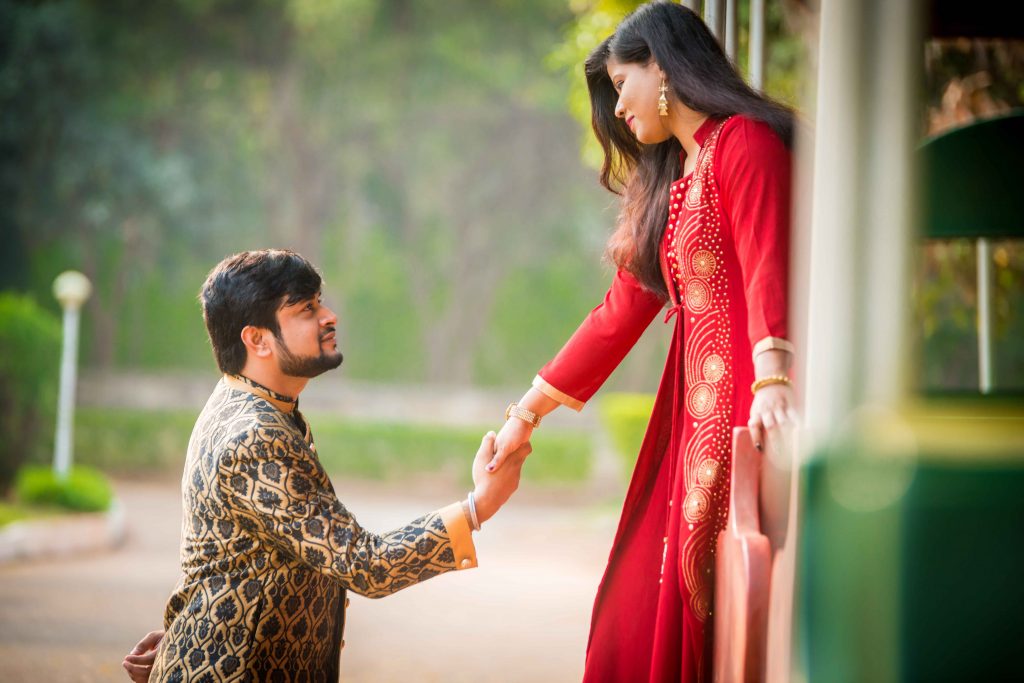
pixel 756 184
pixel 587 359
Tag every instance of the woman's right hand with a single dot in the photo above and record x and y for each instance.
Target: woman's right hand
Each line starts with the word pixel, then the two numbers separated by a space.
pixel 512 436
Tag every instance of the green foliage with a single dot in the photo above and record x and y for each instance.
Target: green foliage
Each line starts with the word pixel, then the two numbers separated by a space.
pixel 84 490
pixel 391 451
pixel 945 307
pixel 418 152
pixel 625 416
pixel 130 441
pixel 29 364
pixel 125 441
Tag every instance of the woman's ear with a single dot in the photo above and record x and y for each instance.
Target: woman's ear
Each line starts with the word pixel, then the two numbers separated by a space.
pixel 256 340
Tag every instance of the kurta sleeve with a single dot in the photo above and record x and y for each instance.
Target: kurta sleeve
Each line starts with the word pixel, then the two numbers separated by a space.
pixel 273 484
pixel 755 166
pixel 600 343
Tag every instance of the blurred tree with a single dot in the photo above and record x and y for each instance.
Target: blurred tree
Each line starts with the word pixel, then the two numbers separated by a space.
pixel 418 152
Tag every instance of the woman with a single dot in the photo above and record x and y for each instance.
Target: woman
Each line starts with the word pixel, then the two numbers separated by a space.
pixel 703 167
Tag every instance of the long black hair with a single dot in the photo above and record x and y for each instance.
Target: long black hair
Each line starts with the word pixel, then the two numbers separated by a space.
pixel 702 78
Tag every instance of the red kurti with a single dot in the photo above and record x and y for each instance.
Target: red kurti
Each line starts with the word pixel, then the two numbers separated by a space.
pixel 725 259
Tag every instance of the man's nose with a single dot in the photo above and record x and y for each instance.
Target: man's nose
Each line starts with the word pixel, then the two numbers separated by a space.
pixel 329 317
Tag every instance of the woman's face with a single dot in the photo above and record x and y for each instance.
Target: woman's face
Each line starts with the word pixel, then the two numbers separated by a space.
pixel 638 88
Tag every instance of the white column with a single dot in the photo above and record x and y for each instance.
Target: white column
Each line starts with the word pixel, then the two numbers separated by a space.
pixel 985 371
pixel 730 29
pixel 71 288
pixel 66 402
pixel 861 218
pixel 756 44
pixel 714 17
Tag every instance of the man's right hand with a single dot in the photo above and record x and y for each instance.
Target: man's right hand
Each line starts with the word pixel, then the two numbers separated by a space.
pixel 139 662
pixel 493 489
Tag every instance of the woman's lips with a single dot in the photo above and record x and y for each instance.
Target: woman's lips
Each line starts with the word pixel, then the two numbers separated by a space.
pixel 629 122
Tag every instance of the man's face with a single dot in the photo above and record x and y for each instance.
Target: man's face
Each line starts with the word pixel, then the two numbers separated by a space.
pixel 307 345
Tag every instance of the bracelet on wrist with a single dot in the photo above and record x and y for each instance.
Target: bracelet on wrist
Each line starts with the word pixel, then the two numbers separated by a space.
pixel 528 416
pixel 767 381
pixel 475 521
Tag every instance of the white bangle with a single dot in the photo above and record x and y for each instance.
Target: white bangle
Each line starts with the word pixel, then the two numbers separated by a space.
pixel 472 512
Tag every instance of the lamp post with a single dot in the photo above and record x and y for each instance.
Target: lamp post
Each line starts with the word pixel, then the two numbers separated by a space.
pixel 71 289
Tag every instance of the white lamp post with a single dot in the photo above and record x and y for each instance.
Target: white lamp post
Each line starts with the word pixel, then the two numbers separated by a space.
pixel 71 289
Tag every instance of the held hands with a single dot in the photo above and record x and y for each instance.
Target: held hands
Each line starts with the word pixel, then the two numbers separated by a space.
pixel 493 489
pixel 512 436
pixel 772 407
pixel 139 662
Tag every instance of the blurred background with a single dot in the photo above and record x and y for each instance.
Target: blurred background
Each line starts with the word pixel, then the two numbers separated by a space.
pixel 434 159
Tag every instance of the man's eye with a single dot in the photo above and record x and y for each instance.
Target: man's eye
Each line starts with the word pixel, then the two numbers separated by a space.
pixel 309 307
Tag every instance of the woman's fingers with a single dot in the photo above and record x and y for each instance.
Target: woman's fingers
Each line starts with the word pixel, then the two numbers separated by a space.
pixel 486 450
pixel 756 431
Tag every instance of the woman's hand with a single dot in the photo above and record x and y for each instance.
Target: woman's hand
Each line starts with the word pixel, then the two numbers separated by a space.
pixel 772 407
pixel 514 434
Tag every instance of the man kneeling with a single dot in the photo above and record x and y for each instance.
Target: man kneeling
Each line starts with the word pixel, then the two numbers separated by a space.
pixel 267 551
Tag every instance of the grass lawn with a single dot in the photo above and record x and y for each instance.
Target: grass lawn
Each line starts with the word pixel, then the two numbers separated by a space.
pixel 127 441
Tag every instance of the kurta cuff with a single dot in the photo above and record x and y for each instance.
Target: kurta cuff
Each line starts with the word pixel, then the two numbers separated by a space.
pixel 541 385
pixel 771 343
pixel 460 535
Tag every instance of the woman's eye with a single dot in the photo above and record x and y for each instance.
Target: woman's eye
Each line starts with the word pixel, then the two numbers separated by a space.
pixel 618 86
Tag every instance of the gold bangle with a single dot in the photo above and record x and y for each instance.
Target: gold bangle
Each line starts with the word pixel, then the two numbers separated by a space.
pixel 773 379
pixel 528 416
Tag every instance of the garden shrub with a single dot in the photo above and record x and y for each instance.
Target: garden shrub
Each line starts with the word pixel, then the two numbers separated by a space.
pixel 29 366
pixel 84 490
pixel 625 416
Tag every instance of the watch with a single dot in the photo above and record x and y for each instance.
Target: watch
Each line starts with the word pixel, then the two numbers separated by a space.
pixel 528 416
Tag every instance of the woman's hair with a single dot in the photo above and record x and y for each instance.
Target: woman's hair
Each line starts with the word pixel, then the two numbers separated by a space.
pixel 702 78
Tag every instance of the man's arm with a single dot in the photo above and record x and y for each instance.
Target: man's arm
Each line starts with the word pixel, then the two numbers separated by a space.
pixel 270 485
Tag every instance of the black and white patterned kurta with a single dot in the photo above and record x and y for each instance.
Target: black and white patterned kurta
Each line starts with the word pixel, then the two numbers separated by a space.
pixel 268 552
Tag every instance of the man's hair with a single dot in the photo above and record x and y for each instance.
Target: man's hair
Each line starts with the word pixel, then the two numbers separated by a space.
pixel 248 289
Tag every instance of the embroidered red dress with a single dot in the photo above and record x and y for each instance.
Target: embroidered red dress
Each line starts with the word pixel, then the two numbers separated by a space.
pixel 725 259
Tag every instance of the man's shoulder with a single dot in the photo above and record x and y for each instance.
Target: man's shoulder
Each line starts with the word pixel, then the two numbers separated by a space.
pixel 236 420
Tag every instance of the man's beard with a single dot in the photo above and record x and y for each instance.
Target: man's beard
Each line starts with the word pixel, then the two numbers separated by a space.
pixel 305 366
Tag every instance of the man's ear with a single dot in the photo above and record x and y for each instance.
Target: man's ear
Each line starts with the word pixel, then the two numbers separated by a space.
pixel 257 341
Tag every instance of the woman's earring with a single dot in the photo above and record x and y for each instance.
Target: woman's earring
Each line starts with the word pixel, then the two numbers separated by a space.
pixel 662 100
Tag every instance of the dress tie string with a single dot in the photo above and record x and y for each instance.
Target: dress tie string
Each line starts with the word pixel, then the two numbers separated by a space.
pixel 677 309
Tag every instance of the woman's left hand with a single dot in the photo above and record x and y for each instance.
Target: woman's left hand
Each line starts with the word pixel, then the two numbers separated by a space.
pixel 772 407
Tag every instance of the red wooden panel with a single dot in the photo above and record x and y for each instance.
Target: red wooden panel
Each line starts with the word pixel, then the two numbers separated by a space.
pixel 742 574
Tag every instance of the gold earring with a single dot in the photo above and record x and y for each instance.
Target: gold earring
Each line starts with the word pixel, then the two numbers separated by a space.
pixel 662 100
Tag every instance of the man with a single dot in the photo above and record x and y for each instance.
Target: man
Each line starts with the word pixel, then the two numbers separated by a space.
pixel 268 552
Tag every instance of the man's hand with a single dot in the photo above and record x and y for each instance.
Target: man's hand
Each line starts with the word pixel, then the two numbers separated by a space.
pixel 493 489
pixel 139 662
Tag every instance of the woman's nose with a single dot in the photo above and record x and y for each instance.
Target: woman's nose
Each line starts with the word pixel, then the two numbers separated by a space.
pixel 620 111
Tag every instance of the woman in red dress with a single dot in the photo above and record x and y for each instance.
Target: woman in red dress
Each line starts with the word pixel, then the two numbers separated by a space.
pixel 702 163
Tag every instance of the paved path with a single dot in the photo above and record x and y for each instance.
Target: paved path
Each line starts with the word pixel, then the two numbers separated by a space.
pixel 522 616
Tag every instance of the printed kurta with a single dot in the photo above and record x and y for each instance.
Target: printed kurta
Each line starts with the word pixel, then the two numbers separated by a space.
pixel 268 552
pixel 725 259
